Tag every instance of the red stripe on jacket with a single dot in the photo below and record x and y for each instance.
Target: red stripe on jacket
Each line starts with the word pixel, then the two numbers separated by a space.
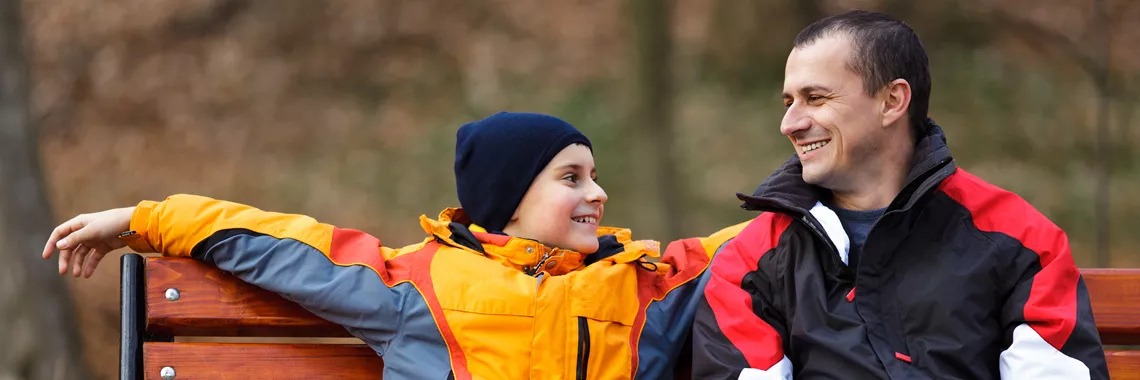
pixel 351 247
pixel 688 259
pixel 731 305
pixel 1051 309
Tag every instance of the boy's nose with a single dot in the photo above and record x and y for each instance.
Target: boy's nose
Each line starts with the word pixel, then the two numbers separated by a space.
pixel 596 193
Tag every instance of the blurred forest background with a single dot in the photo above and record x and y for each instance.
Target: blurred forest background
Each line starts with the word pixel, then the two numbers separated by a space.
pixel 346 110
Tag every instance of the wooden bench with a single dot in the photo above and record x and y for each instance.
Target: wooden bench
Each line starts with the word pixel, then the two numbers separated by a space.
pixel 166 299
pixel 1115 296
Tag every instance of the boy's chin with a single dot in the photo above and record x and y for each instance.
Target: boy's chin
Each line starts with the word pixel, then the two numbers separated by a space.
pixel 585 246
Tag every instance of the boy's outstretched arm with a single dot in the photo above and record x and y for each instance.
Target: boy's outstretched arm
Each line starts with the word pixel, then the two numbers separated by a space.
pixel 337 274
pixel 737 331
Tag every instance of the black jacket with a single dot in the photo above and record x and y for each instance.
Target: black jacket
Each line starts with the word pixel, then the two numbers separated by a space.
pixel 958 280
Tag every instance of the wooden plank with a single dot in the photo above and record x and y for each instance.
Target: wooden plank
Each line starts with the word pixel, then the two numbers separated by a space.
pixel 214 303
pixel 225 361
pixel 1123 365
pixel 1115 297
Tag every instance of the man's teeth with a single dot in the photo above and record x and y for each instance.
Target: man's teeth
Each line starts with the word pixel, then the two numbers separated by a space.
pixel 587 219
pixel 814 146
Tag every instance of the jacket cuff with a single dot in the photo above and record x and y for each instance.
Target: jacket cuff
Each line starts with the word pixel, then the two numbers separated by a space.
pixel 138 237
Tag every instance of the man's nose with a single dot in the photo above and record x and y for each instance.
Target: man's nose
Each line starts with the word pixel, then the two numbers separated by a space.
pixel 794 121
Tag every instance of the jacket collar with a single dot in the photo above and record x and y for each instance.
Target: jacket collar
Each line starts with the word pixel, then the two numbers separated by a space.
pixel 785 189
pixel 615 245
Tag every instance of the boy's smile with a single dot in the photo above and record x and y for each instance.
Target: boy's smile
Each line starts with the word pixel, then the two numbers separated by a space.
pixel 564 205
pixel 591 219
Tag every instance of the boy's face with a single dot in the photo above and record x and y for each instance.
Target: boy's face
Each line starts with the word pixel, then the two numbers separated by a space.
pixel 564 204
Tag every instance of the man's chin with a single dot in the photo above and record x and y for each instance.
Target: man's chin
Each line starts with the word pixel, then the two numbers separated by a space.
pixel 813 176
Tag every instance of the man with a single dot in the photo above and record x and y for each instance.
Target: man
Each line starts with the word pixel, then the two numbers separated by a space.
pixel 875 256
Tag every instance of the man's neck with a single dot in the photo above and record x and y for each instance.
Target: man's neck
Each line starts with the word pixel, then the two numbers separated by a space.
pixel 879 184
pixel 875 196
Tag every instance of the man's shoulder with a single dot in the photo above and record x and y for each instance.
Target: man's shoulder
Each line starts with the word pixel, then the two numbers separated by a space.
pixel 994 209
pixel 758 234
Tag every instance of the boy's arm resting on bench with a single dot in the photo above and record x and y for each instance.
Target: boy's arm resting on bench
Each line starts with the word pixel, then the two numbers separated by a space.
pixel 737 332
pixel 337 274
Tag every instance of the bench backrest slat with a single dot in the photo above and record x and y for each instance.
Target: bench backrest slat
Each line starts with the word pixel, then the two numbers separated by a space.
pixel 213 303
pixel 1115 297
pixel 1123 365
pixel 226 361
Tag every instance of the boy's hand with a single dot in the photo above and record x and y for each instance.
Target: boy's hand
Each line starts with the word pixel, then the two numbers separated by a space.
pixel 85 239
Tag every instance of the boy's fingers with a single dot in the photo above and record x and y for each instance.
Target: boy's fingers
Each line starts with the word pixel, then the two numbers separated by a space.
pixel 77 256
pixel 49 247
pixel 92 263
pixel 80 257
pixel 53 239
pixel 77 237
pixel 59 233
pixel 64 259
pixel 83 260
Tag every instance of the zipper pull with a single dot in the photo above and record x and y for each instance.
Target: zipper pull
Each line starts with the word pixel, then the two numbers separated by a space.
pixel 542 262
pixel 537 267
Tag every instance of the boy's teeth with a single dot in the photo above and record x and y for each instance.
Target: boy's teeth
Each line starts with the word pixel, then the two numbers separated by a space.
pixel 587 219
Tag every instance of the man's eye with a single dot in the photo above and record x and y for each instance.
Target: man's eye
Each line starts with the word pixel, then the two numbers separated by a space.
pixel 814 98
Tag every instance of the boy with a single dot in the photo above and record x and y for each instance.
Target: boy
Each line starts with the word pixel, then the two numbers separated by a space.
pixel 521 282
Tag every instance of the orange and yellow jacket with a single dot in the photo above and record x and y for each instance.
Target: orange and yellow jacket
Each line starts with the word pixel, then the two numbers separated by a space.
pixel 459 304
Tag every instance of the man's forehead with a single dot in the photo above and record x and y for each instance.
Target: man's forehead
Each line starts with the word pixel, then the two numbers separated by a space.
pixel 826 51
pixel 827 42
pixel 817 64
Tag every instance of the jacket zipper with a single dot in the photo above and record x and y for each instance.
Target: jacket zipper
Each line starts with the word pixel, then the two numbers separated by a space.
pixel 805 217
pixel 813 225
pixel 538 267
pixel 583 347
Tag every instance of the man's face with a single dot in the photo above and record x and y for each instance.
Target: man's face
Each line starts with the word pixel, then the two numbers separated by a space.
pixel 835 127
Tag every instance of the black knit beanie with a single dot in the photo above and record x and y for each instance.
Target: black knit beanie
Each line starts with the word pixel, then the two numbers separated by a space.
pixel 497 158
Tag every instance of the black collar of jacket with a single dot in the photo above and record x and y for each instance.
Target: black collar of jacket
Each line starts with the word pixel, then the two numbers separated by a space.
pixel 785 189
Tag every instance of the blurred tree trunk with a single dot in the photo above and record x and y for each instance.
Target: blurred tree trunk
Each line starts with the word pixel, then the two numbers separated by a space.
pixel 808 11
pixel 1100 76
pixel 1092 55
pixel 655 165
pixel 38 337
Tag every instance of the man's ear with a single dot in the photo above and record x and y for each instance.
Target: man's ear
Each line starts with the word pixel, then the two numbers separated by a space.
pixel 896 101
